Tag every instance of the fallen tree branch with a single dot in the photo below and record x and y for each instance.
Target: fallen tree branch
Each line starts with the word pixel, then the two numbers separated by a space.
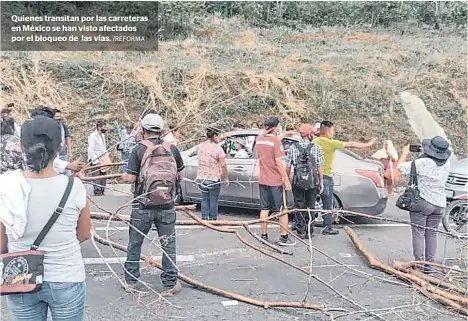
pixel 440 266
pixel 341 263
pixel 394 220
pixel 376 310
pixel 256 221
pixel 456 302
pixel 401 266
pixel 258 238
pixel 217 291
pixel 93 178
pixel 107 165
pixel 315 277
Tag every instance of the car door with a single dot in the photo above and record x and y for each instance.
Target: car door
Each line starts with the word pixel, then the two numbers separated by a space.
pixel 192 191
pixel 239 189
pixel 240 173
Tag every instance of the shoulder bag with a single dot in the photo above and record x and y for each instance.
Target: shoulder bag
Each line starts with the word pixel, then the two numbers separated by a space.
pixel 410 200
pixel 23 272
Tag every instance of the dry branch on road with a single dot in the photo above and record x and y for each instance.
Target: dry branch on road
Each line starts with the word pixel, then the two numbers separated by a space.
pixel 424 286
pixel 210 289
pixel 458 303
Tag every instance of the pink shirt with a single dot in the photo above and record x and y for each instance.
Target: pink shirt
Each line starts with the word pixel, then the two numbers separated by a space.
pixel 209 155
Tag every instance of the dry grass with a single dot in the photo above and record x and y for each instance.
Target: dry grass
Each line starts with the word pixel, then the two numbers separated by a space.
pixel 229 72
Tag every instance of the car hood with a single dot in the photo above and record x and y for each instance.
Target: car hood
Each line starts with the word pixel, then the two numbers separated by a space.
pixel 460 167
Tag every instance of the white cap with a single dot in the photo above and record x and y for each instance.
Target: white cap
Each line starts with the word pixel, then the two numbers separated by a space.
pixel 152 122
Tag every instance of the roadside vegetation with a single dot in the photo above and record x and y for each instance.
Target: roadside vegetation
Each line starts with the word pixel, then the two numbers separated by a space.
pixel 225 61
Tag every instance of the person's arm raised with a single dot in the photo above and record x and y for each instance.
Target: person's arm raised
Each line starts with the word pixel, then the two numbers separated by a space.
pixel 360 145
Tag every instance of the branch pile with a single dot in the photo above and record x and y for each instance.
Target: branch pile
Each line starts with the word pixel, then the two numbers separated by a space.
pixel 436 289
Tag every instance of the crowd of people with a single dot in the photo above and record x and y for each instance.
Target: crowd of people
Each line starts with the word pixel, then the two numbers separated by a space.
pixel 36 155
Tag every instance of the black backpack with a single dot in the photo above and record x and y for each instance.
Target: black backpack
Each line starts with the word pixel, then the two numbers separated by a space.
pixel 306 171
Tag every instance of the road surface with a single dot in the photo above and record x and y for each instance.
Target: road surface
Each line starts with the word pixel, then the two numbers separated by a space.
pixel 221 260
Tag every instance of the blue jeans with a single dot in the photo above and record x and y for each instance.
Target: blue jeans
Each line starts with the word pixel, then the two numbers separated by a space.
pixel 65 300
pixel 142 220
pixel 125 156
pixel 327 200
pixel 210 196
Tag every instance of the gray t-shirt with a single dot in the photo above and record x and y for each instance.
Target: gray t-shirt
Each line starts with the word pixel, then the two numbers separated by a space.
pixel 62 259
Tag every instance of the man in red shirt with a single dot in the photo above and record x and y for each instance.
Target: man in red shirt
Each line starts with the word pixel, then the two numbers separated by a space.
pixel 272 177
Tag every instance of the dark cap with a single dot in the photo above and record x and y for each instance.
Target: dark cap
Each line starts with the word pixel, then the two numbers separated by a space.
pixel 41 129
pixel 271 122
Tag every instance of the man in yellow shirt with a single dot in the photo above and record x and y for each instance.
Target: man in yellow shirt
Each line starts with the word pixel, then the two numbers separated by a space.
pixel 329 146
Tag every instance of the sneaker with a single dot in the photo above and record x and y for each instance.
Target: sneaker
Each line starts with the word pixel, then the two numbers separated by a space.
pixel 171 291
pixel 264 237
pixel 330 231
pixel 286 241
pixel 129 287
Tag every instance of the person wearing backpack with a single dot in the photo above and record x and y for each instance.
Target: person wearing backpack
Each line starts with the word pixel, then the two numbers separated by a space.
pixel 307 160
pixel 154 167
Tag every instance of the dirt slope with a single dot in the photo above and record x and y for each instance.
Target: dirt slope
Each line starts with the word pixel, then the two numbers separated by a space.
pixel 352 77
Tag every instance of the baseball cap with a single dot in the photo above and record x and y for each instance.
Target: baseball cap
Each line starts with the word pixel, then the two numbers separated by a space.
pixel 152 122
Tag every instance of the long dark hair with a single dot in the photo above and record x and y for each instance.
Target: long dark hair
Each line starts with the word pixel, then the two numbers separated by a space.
pixel 41 138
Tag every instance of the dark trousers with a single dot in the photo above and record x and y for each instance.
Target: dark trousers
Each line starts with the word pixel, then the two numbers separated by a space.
pixel 304 199
pixel 100 184
pixel 141 221
pixel 327 200
pixel 210 198
pixel 425 240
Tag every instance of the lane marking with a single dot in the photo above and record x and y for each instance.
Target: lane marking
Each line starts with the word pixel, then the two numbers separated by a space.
pixel 116 260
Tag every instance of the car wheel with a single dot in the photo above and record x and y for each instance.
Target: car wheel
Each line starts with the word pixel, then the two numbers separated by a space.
pixel 455 218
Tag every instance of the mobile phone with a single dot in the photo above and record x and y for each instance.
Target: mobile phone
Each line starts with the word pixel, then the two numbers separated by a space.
pixel 415 148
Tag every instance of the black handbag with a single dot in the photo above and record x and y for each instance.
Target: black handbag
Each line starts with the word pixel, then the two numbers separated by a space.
pixel 23 272
pixel 410 200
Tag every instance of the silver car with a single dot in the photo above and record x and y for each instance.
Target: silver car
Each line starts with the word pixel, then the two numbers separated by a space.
pixel 359 183
pixel 457 181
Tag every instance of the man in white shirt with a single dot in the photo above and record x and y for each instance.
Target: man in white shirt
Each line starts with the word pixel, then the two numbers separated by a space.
pixel 96 150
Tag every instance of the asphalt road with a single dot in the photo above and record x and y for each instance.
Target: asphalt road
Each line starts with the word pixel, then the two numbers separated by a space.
pixel 221 260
